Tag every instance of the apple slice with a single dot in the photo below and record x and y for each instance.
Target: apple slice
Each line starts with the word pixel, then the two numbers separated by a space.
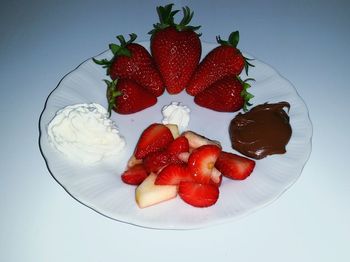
pixel 195 140
pixel 174 129
pixel 148 194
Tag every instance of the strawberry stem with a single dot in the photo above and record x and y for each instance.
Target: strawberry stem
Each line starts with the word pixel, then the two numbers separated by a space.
pixel 112 94
pixel 233 40
pixel 117 50
pixel 166 19
pixel 247 64
pixel 245 94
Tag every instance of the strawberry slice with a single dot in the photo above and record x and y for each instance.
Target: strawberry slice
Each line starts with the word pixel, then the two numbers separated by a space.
pixel 198 195
pixel 179 145
pixel 155 161
pixel 134 175
pixel 173 174
pixel 201 162
pixel 234 166
pixel 153 138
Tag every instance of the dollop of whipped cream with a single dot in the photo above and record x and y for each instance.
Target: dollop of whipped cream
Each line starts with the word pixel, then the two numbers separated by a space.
pixel 84 132
pixel 177 114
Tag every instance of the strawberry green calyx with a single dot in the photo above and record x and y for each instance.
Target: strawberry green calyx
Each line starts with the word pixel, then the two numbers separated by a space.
pixel 233 40
pixel 117 50
pixel 112 94
pixel 166 19
pixel 245 94
pixel 247 64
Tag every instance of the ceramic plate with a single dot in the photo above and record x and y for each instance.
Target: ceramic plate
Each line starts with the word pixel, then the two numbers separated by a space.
pixel 100 188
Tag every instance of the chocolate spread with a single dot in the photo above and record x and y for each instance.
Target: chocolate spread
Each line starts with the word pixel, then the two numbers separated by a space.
pixel 263 131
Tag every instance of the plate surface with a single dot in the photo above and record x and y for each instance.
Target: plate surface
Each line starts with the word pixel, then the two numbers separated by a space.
pixel 100 188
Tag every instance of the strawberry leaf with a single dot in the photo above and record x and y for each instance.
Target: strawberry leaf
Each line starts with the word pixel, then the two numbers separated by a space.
pixel 112 94
pixel 117 50
pixel 166 19
pixel 245 94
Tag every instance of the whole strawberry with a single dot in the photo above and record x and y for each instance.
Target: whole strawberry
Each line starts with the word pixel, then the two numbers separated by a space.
pixel 132 61
pixel 228 94
pixel 125 96
pixel 176 48
pixel 222 61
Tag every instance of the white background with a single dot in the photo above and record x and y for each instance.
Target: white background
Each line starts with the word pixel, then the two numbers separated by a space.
pixel 306 41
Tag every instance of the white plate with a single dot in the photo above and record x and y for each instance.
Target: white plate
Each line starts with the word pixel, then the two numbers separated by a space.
pixel 100 188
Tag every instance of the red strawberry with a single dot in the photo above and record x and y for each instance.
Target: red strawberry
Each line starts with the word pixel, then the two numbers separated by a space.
pixel 155 161
pixel 234 166
pixel 198 195
pixel 178 146
pixel 173 174
pixel 132 61
pixel 228 94
pixel 201 162
pixel 176 48
pixel 126 96
pixel 154 138
pixel 134 175
pixel 223 60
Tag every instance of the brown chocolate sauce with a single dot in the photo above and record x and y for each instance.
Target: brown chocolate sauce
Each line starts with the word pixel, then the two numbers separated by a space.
pixel 263 131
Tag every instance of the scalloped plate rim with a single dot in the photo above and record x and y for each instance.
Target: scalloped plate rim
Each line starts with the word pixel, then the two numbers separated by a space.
pixel 150 225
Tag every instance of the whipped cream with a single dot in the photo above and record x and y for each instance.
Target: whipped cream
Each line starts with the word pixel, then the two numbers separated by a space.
pixel 177 114
pixel 84 132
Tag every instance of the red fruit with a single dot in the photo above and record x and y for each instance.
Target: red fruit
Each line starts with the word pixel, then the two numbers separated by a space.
pixel 155 161
pixel 198 195
pixel 201 162
pixel 134 175
pixel 132 61
pixel 154 138
pixel 126 96
pixel 179 145
pixel 228 94
pixel 234 166
pixel 222 61
pixel 173 174
pixel 176 48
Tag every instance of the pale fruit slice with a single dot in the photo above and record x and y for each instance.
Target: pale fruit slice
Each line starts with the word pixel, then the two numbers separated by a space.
pixel 216 176
pixel 174 129
pixel 148 194
pixel 195 140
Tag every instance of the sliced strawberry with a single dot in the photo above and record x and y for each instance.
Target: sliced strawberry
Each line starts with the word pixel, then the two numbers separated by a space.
pixel 134 175
pixel 198 195
pixel 179 145
pixel 133 161
pixel 234 166
pixel 155 161
pixel 173 174
pixel 201 162
pixel 155 137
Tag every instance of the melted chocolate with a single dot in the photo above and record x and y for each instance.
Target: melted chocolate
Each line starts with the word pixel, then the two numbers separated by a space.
pixel 263 131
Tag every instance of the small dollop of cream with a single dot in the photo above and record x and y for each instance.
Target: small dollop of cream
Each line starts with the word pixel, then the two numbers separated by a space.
pixel 84 132
pixel 177 114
